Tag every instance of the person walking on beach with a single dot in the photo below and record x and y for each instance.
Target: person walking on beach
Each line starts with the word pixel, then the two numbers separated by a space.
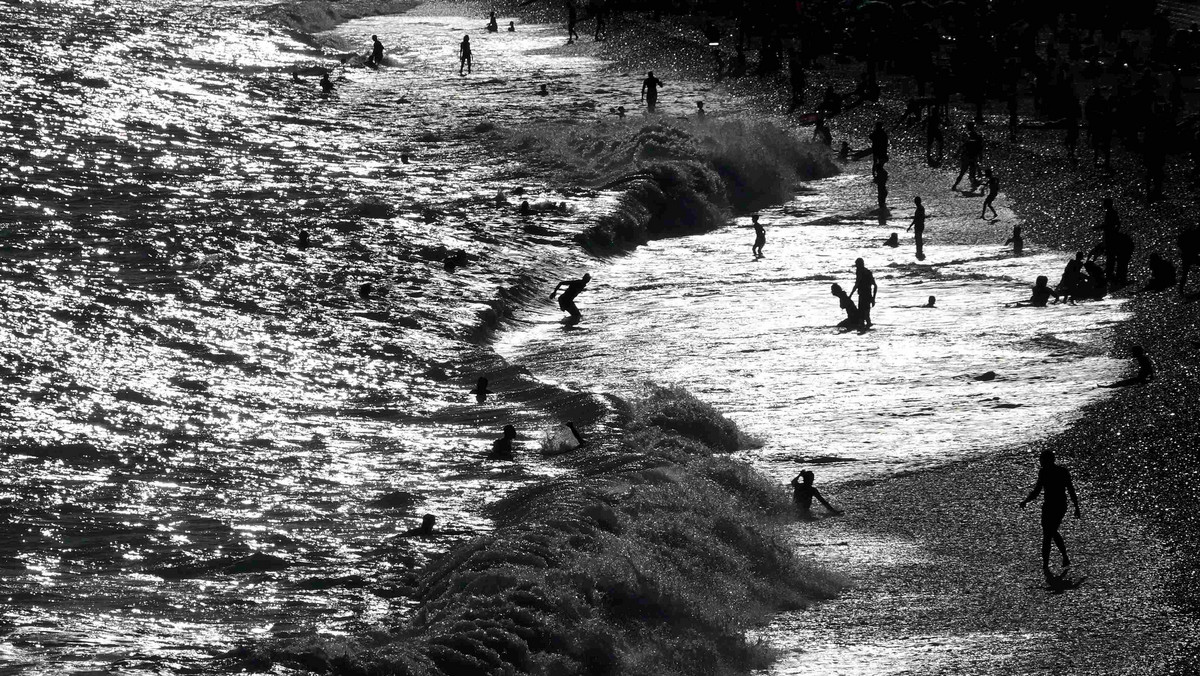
pixel 760 236
pixel 864 283
pixel 567 300
pixel 1055 481
pixel 572 19
pixel 803 492
pixel 376 52
pixel 918 226
pixel 464 55
pixel 650 91
pixel 993 187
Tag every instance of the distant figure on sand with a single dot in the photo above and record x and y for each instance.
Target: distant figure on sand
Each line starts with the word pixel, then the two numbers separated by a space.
pixel 650 90
pixel 760 236
pixel 567 300
pixel 918 225
pixel 879 146
pixel 464 55
pixel 1145 369
pixel 502 448
pixel 326 85
pixel 376 52
pixel 1017 242
pixel 481 390
pixel 853 318
pixel 893 241
pixel 993 189
pixel 864 283
pixel 1055 480
pixel 803 492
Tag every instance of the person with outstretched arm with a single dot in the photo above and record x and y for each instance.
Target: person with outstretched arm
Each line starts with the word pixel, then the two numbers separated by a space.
pixel 567 300
pixel 650 91
pixel 803 492
pixel 1055 481
pixel 864 283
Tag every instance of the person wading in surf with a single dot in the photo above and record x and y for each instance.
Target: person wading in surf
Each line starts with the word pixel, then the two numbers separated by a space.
pixel 567 300
pixel 464 55
pixel 803 492
pixel 864 283
pixel 650 91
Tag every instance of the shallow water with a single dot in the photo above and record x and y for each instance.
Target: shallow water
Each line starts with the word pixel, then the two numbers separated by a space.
pixel 198 415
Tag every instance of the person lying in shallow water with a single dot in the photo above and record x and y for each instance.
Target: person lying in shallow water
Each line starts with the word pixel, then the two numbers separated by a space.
pixel 803 492
pixel 1145 369
pixel 502 448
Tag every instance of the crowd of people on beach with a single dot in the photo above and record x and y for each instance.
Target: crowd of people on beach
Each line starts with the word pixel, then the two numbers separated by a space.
pixel 1137 99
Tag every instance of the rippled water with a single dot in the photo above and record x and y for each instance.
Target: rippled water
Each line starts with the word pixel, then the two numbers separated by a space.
pixel 198 415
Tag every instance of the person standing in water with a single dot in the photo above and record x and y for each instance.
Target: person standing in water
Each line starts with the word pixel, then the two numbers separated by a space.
pixel 760 236
pixel 326 84
pixel 1055 480
pixel 650 91
pixel 567 300
pixel 502 448
pixel 464 55
pixel 481 390
pixel 864 283
pixel 918 226
pixel 881 189
pixel 803 492
pixel 376 52
pixel 1017 242
pixel 993 189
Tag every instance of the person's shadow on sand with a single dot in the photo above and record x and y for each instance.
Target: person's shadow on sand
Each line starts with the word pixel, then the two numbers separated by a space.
pixel 1064 582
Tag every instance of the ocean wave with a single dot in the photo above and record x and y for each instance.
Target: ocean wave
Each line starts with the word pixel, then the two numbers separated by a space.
pixel 677 176
pixel 314 16
pixel 654 557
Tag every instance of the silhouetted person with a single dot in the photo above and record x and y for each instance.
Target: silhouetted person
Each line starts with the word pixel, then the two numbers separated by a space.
pixel 918 225
pixel 493 26
pixel 892 241
pixel 502 448
pixel 864 283
pixel 512 27
pixel 567 300
pixel 700 110
pixel 454 260
pixel 1116 246
pixel 1017 242
pixel 295 77
pixel 932 302
pixel 844 151
pixel 881 188
pixel 1162 274
pixel 1041 292
pixel 879 146
pixel 426 527
pixel 1145 369
pixel 803 492
pixel 365 290
pixel 326 84
pixel 972 152
pixel 543 91
pixel 464 55
pixel 650 90
pixel 302 244
pixel 376 51
pixel 821 131
pixel 993 189
pixel 1073 279
pixel 481 390
pixel 1055 481
pixel 600 12
pixel 760 237
pixel 853 318
pixel 572 18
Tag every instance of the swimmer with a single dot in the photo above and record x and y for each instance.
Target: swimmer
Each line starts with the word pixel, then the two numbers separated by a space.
pixel 1017 242
pixel 543 91
pixel 893 241
pixel 1145 369
pixel 502 448
pixel 650 90
pixel 853 319
pixel 993 187
pixel 376 52
pixel 326 84
pixel 295 77
pixel 700 110
pixel 481 390
pixel 803 494
pixel 567 300
pixel 932 302
pixel 464 54
pixel 760 237
pixel 525 209
pixel 512 27
pixel 1055 480
pixel 918 225
pixel 1041 294
pixel 864 283
pixel 364 291
pixel 302 244
pixel 426 529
